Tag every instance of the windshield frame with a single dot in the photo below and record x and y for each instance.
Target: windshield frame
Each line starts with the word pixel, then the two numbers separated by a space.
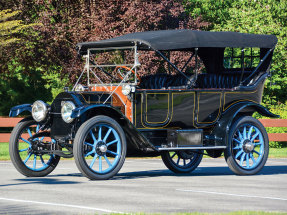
pixel 91 65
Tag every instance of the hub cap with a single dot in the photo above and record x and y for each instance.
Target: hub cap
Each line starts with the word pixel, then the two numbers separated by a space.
pixel 103 148
pixel 248 146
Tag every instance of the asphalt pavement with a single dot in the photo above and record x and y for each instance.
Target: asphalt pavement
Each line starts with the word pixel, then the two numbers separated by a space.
pixel 145 185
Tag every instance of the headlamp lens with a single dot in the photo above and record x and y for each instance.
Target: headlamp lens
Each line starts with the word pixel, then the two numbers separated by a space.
pixel 67 110
pixel 39 110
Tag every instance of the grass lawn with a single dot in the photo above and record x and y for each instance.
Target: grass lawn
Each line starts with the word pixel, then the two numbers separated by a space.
pixel 278 153
pixel 4 151
pixel 273 152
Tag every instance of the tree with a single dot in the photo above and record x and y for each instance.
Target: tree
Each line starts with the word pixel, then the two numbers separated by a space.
pixel 48 55
pixel 78 21
pixel 25 75
pixel 251 16
pixel 11 29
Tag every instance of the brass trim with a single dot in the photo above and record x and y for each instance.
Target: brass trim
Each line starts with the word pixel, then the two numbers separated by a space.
pixel 167 108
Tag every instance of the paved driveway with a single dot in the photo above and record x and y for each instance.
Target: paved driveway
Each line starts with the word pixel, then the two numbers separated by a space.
pixel 145 185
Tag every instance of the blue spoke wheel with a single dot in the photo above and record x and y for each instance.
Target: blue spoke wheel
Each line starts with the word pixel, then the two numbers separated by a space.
pixel 25 150
pixel 248 146
pixel 100 148
pixel 182 161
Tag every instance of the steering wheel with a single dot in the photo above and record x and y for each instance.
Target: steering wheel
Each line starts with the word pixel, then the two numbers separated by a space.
pixel 128 69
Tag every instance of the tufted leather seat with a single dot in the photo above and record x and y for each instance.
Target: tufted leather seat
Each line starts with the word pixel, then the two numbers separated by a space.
pixel 160 81
pixel 217 80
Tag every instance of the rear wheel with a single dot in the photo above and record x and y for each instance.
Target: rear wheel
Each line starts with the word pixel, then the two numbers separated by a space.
pixel 24 150
pixel 100 148
pixel 182 161
pixel 248 146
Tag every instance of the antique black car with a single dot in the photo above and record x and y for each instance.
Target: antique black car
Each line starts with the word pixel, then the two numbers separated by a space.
pixel 180 111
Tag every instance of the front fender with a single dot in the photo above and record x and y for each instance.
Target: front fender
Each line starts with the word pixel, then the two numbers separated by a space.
pixel 77 112
pixel 16 110
pixel 222 129
pixel 136 138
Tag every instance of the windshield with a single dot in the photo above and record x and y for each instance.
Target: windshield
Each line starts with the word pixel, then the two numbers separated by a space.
pixel 110 66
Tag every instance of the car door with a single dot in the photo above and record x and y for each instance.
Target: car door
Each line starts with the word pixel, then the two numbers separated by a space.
pixel 170 109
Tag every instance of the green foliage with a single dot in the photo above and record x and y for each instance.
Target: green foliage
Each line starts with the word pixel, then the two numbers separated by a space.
pixel 257 17
pixel 28 84
pixel 54 82
pixel 232 57
pixel 280 110
pixel 27 73
pixel 10 30
pixel 21 87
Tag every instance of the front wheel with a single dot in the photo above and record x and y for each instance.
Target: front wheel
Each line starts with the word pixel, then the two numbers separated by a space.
pixel 27 152
pixel 182 161
pixel 248 146
pixel 100 148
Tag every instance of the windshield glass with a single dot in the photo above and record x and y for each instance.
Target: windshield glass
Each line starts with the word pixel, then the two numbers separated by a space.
pixel 110 66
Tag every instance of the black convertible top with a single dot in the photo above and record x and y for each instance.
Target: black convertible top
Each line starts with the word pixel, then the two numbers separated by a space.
pixel 183 40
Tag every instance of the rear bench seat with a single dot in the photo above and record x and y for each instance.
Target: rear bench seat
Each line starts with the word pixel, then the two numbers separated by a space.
pixel 164 81
pixel 217 80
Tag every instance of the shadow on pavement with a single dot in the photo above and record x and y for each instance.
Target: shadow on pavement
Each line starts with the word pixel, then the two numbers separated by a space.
pixel 45 180
pixel 66 175
pixel 201 171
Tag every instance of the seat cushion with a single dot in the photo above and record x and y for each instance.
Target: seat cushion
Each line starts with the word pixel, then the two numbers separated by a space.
pixel 217 80
pixel 160 81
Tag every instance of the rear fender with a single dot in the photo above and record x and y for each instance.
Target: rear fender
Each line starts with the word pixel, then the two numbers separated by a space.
pixel 222 128
pixel 16 110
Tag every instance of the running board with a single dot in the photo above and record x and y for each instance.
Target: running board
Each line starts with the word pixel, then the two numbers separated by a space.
pixel 190 148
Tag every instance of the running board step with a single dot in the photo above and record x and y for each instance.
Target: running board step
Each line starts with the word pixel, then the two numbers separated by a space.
pixel 189 148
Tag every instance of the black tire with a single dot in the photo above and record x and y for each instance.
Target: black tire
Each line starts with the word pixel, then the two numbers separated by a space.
pixel 99 148
pixel 247 137
pixel 193 158
pixel 15 153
